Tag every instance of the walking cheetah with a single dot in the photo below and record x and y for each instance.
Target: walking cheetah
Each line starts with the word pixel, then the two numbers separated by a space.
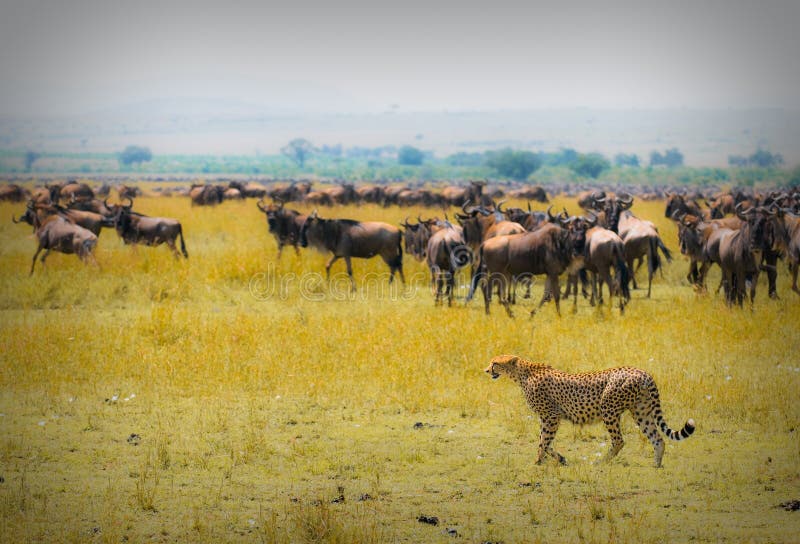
pixel 588 397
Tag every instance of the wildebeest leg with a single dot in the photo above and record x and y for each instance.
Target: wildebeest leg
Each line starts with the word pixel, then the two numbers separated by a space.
pixel 629 264
pixel 793 269
pixel 44 256
pixel 328 266
pixel 551 289
pixel 487 293
pixel 349 265
pixel 280 250
pixel 771 259
pixel 33 262
pixel 503 288
pixel 451 283
pixel 728 283
pixel 171 244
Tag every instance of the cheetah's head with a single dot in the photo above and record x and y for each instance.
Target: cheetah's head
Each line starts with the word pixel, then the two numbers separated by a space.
pixel 502 364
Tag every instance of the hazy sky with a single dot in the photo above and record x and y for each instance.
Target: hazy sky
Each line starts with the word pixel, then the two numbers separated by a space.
pixel 84 55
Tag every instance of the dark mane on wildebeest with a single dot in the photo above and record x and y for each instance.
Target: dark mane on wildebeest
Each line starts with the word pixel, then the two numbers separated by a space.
pixel 346 238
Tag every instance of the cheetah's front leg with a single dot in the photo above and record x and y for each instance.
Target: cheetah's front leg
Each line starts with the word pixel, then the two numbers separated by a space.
pixel 549 428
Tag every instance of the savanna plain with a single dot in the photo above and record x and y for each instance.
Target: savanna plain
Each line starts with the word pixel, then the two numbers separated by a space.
pixel 235 397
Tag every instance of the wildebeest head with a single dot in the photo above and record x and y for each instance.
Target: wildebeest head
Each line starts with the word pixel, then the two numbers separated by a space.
pixel 756 218
pixel 271 211
pixel 314 227
pixel 614 205
pixel 577 228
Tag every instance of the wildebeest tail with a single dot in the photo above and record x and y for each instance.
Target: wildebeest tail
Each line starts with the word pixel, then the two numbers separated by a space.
pixel 397 263
pixel 688 427
pixel 653 259
pixel 623 275
pixel 183 245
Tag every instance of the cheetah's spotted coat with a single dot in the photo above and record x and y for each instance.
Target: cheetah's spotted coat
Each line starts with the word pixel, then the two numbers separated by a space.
pixel 588 397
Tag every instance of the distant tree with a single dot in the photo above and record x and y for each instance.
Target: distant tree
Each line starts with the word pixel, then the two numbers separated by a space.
pixel 512 164
pixel 463 158
pixel 590 165
pixel 298 150
pixel 564 157
pixel 737 161
pixel 671 158
pixel 30 158
pixel 764 159
pixel 134 154
pixel 624 159
pixel 409 155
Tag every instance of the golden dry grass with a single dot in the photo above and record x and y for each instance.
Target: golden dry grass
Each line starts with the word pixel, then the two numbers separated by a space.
pixel 231 397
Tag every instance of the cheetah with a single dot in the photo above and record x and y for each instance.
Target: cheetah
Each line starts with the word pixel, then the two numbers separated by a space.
pixel 589 397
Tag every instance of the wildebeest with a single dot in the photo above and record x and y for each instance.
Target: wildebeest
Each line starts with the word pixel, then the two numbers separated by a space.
pixel 54 232
pixel 740 255
pixel 346 238
pixel 503 260
pixel 128 191
pixel 457 195
pixel 641 239
pixel 678 206
pixel 248 190
pixel 373 194
pixel 135 228
pixel 481 224
pixel 91 221
pixel 207 194
pixel 344 193
pixel 416 236
pixel 694 237
pixel 284 224
pixel 13 193
pixel 786 232
pixel 604 252
pixel 535 192
pixel 446 254
pixel 293 192
pixel 613 205
pixel 73 191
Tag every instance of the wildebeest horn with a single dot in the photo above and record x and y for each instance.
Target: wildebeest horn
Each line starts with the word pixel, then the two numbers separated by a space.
pixel 592 219
pixel 550 216
pixel 499 206
pixel 129 206
pixel 599 196
pixel 742 214
pixel 260 205
pixel 314 214
pixel 14 220
pixel 464 206
pixel 529 207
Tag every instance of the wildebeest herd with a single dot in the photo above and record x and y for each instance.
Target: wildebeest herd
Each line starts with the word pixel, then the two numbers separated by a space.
pixel 742 232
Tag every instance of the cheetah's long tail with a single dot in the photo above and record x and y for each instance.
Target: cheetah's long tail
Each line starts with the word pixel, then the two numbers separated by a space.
pixel 684 433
